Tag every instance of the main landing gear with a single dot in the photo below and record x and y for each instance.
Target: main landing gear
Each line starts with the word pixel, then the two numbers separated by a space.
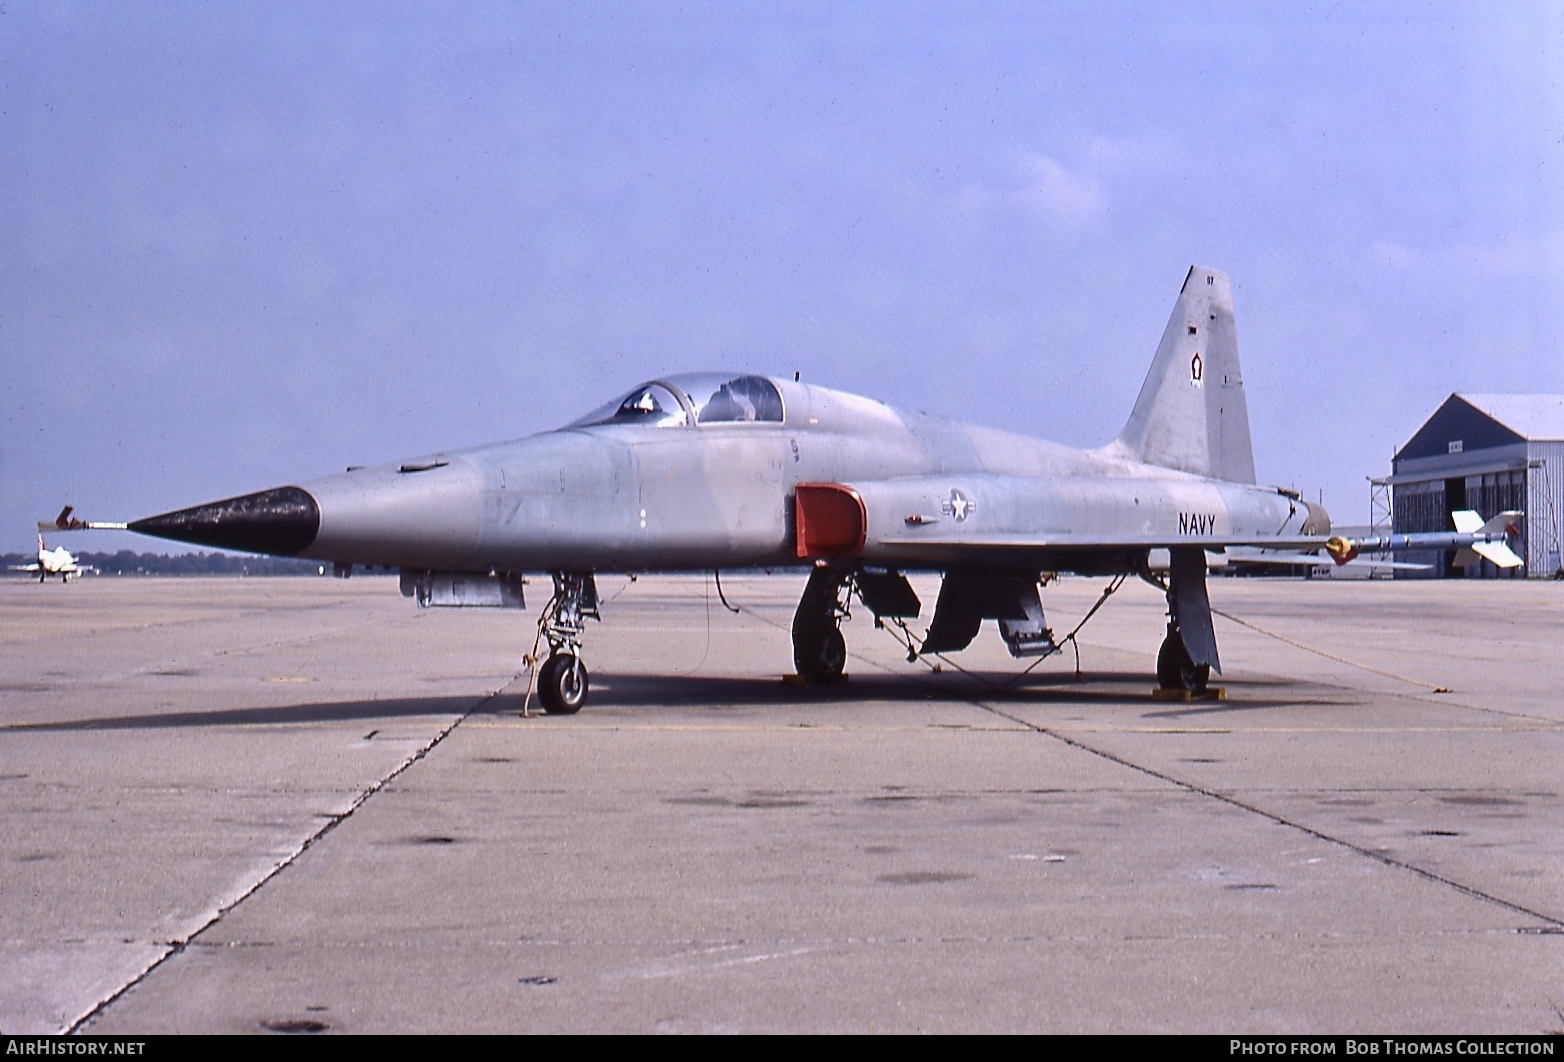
pixel 562 680
pixel 1189 650
pixel 1175 670
pixel 819 650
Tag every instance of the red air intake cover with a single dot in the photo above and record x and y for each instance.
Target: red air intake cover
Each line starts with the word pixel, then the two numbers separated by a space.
pixel 829 519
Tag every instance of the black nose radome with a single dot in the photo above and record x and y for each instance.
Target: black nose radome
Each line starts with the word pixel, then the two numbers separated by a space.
pixel 283 521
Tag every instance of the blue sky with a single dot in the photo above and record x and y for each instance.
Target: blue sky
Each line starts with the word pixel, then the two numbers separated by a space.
pixel 244 244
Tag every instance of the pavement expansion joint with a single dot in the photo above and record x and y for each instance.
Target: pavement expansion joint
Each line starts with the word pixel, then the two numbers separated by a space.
pixel 1377 855
pixel 176 948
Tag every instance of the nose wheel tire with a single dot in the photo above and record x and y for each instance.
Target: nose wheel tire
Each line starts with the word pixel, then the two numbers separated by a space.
pixel 562 684
pixel 1176 671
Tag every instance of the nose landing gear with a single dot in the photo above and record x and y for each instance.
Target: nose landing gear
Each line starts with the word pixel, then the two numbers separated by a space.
pixel 562 684
pixel 562 680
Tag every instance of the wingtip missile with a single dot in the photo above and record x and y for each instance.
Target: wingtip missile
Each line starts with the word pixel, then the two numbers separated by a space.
pixel 1341 549
pixel 66 522
pixel 1473 538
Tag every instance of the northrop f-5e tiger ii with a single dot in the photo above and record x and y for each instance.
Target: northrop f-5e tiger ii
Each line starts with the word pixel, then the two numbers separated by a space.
pixel 708 471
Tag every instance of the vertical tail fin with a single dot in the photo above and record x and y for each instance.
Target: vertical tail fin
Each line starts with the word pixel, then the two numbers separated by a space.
pixel 1191 414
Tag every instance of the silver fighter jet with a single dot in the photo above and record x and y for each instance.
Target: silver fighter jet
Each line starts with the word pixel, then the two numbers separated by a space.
pixel 711 471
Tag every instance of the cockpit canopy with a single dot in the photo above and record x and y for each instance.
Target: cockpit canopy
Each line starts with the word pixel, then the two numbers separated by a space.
pixel 701 398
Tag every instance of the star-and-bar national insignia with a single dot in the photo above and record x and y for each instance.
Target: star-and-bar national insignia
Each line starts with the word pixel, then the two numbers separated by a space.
pixel 958 506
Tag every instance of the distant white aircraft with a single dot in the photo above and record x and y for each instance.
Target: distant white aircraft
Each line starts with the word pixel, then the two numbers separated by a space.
pixel 57 561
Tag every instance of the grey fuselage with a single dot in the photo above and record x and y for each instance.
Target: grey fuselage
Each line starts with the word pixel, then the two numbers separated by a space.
pixel 635 497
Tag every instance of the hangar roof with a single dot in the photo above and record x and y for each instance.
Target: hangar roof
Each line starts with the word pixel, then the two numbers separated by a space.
pixel 1531 416
pixel 1466 422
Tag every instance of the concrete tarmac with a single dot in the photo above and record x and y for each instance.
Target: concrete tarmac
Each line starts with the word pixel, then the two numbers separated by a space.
pixel 251 805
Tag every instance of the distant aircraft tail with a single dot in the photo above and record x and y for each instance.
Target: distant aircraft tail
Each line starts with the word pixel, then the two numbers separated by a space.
pixel 1191 414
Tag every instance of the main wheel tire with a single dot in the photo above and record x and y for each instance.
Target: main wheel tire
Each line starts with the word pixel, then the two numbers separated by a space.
pixel 562 684
pixel 1176 671
pixel 820 656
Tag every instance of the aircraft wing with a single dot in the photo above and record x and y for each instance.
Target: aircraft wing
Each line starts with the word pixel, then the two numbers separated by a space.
pixel 1072 551
pixel 1240 549
pixel 1273 558
pixel 1108 542
pixel 952 536
pixel 919 521
pixel 1016 520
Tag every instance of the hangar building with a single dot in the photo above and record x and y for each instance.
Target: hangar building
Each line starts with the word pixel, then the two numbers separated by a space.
pixel 1491 453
